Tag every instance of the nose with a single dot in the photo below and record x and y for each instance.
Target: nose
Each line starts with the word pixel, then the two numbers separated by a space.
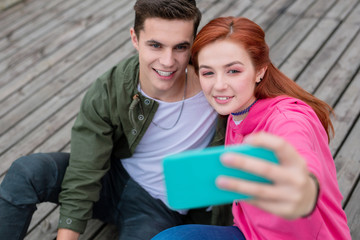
pixel 220 82
pixel 167 58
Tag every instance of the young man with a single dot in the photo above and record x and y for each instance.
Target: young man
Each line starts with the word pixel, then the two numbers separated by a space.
pixel 141 110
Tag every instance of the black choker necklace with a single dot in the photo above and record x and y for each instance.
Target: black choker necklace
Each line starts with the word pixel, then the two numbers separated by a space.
pixel 246 110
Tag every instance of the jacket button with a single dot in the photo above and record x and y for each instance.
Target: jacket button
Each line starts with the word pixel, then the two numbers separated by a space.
pixel 147 101
pixel 134 132
pixel 141 117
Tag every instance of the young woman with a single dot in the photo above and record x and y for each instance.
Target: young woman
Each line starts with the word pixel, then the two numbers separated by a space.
pixel 267 109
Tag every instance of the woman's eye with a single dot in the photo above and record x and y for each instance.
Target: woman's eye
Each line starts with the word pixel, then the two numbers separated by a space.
pixel 234 71
pixel 207 73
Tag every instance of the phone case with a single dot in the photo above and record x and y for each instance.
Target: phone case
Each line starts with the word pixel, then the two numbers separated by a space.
pixel 190 176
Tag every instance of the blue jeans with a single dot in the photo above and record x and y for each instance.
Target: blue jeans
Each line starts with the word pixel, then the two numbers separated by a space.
pixel 196 232
pixel 37 178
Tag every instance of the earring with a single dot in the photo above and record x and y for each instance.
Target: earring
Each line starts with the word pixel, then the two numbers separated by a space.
pixel 260 80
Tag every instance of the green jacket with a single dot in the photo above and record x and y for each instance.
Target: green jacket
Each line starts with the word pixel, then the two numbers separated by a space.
pixel 113 118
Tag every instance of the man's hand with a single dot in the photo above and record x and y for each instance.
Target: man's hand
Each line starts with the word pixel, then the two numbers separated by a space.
pixel 67 234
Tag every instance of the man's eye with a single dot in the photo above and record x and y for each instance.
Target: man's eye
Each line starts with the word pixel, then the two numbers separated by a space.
pixel 181 47
pixel 155 45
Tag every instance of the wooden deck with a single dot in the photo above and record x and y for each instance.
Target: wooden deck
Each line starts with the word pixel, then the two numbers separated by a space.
pixel 51 51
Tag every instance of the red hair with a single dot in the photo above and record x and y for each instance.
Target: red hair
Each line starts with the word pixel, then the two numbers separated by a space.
pixel 252 38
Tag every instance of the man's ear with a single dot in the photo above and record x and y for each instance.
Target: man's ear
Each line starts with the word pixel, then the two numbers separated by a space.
pixel 134 39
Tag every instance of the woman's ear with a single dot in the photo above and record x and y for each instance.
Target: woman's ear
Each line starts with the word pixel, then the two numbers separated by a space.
pixel 134 39
pixel 260 74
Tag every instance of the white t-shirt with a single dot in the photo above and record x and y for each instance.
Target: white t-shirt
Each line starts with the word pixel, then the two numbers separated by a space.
pixel 195 129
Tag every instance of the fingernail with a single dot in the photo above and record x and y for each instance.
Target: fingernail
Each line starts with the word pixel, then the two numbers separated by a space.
pixel 226 159
pixel 221 182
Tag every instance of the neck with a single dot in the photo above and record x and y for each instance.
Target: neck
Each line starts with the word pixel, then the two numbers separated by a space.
pixel 238 116
pixel 176 93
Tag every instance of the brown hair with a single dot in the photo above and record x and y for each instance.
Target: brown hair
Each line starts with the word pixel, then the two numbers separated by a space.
pixel 166 9
pixel 252 38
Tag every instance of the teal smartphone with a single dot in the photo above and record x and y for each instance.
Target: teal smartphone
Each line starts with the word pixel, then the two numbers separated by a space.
pixel 190 176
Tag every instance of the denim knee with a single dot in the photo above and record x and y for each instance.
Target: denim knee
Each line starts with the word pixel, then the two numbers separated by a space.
pixel 32 179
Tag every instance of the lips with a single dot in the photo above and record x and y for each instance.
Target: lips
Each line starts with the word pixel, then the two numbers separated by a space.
pixel 222 99
pixel 164 73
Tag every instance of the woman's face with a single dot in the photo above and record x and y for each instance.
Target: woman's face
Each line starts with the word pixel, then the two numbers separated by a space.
pixel 227 76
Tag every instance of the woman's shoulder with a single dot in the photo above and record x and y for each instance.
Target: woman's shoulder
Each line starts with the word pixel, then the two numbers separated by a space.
pixel 287 110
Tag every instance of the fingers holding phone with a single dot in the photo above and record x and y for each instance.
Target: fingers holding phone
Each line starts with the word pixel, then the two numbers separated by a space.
pixel 293 192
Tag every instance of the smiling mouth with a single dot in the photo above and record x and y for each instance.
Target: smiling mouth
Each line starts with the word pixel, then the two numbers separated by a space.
pixel 222 98
pixel 163 74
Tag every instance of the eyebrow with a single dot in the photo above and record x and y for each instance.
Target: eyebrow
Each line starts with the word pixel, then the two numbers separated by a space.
pixel 186 43
pixel 233 63
pixel 227 65
pixel 152 42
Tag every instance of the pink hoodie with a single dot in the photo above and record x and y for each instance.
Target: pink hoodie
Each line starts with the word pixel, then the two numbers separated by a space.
pixel 295 121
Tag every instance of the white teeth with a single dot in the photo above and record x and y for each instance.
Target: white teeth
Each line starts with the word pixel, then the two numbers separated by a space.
pixel 222 98
pixel 164 74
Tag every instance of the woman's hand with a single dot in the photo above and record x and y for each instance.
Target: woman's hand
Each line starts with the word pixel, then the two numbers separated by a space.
pixel 293 193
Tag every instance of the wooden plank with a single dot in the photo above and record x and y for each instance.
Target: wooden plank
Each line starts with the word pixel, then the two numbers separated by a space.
pixel 23 13
pixel 352 211
pixel 347 164
pixel 272 12
pixel 52 41
pixel 302 55
pixel 68 77
pixel 237 8
pixel 340 74
pixel 66 148
pixel 19 133
pixel 57 141
pixel 282 47
pixel 56 101
pixel 204 5
pixel 330 53
pixel 342 9
pixel 68 55
pixel 42 212
pixel 47 229
pixel 347 160
pixel 4 4
pixel 214 11
pixel 257 8
pixel 6 13
pixel 346 110
pixel 39 134
pixel 286 21
pixel 308 49
pixel 42 26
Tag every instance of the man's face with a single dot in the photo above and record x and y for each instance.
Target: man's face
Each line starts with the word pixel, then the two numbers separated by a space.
pixel 164 52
